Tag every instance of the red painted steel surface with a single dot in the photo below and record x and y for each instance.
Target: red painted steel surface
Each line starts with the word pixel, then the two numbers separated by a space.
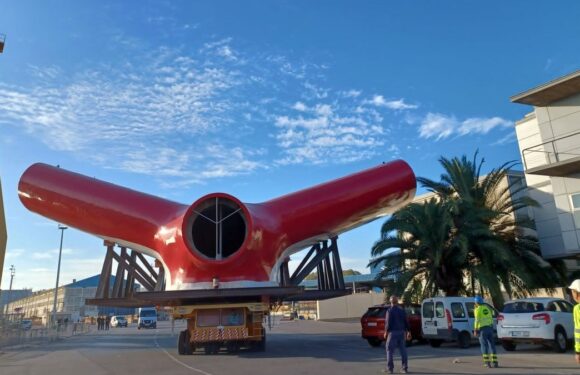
pixel 274 229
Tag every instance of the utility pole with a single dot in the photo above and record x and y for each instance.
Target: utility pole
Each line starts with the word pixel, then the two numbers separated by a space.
pixel 62 229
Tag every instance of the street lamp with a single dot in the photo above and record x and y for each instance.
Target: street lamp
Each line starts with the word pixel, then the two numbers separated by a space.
pixel 12 273
pixel 62 229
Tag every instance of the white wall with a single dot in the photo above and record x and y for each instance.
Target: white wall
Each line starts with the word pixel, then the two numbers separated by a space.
pixel 351 306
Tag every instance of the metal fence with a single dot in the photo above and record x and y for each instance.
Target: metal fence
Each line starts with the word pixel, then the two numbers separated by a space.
pixel 551 152
pixel 12 336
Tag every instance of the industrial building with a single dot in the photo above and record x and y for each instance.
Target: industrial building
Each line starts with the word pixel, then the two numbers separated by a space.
pixel 70 302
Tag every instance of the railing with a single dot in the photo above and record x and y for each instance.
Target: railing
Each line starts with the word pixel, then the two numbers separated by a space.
pixel 551 152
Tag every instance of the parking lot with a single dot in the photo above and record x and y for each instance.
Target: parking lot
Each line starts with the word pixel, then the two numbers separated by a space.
pixel 294 347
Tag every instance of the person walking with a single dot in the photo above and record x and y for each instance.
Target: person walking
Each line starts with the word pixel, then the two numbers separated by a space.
pixel 575 289
pixel 396 332
pixel 483 328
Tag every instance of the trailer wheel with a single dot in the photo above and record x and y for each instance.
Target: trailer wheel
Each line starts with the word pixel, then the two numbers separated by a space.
pixel 183 344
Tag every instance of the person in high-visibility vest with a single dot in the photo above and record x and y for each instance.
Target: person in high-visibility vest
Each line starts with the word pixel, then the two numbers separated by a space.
pixel 575 288
pixel 483 328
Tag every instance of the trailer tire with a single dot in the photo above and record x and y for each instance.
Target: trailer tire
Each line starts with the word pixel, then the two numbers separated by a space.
pixel 183 344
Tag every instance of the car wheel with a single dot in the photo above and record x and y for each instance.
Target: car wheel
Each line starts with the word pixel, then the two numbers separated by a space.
pixel 560 340
pixel 374 342
pixel 435 343
pixel 464 340
pixel 508 345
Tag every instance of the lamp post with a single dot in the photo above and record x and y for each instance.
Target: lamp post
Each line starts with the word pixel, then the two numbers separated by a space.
pixel 62 229
pixel 12 273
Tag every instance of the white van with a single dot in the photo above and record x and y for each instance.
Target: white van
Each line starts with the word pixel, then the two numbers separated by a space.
pixel 449 319
pixel 147 317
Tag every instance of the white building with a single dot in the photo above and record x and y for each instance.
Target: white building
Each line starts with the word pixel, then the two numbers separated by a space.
pixel 549 142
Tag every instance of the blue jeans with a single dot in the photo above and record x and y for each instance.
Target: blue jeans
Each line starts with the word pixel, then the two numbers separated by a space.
pixel 487 343
pixel 396 340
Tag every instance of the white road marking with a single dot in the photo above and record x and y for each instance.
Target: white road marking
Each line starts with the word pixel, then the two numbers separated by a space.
pixel 178 361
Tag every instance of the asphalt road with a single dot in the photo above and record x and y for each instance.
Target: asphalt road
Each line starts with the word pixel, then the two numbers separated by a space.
pixel 302 347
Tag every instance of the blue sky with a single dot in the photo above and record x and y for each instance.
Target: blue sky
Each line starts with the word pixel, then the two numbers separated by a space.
pixel 257 99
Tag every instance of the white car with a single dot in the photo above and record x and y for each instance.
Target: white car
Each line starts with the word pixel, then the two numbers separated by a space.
pixel 118 321
pixel 546 321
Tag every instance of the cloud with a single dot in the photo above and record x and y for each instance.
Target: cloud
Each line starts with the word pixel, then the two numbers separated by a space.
pixel 436 125
pixel 325 132
pixel 379 101
pixel 440 126
pixel 186 116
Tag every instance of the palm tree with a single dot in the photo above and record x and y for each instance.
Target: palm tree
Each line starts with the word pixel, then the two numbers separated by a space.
pixel 431 255
pixel 487 214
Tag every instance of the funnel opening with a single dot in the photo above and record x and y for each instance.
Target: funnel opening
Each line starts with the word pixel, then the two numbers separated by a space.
pixel 218 228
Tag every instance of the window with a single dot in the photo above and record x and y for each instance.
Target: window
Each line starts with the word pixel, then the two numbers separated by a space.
pixel 374 312
pixel 439 310
pixel 208 318
pixel 428 310
pixel 523 307
pixel 565 306
pixel 470 308
pixel 575 198
pixel 457 310
pixel 232 317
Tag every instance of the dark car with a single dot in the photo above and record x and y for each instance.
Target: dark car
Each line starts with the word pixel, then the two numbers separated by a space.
pixel 373 323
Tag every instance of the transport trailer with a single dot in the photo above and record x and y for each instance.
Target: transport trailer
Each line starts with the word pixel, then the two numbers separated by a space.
pixel 229 326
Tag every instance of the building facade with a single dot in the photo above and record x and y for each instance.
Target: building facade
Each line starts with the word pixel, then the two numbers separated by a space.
pixel 549 143
pixel 70 302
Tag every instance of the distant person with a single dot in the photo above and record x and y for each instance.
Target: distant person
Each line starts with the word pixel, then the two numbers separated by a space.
pixel 107 322
pixel 483 328
pixel 397 331
pixel 575 289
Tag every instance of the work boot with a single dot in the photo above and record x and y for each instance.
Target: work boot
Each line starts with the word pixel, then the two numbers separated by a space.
pixel 404 371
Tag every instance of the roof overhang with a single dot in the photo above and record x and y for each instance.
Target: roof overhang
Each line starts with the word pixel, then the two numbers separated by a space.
pixel 550 92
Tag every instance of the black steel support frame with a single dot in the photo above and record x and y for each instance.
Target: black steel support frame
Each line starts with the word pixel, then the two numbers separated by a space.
pixel 131 266
pixel 326 260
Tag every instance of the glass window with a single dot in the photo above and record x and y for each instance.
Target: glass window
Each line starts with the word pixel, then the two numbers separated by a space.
pixel 523 307
pixel 428 310
pixel 208 318
pixel 439 310
pixel 470 309
pixel 576 209
pixel 457 310
pixel 576 201
pixel 565 306
pixel 232 317
pixel 376 312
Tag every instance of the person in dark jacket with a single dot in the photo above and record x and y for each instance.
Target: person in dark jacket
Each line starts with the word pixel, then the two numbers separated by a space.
pixel 396 332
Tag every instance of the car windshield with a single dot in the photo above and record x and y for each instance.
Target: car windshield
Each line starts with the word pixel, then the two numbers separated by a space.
pixel 523 307
pixel 147 313
pixel 120 318
pixel 376 312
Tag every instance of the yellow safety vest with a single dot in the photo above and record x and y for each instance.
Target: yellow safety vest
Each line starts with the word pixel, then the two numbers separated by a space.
pixel 483 317
pixel 577 328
